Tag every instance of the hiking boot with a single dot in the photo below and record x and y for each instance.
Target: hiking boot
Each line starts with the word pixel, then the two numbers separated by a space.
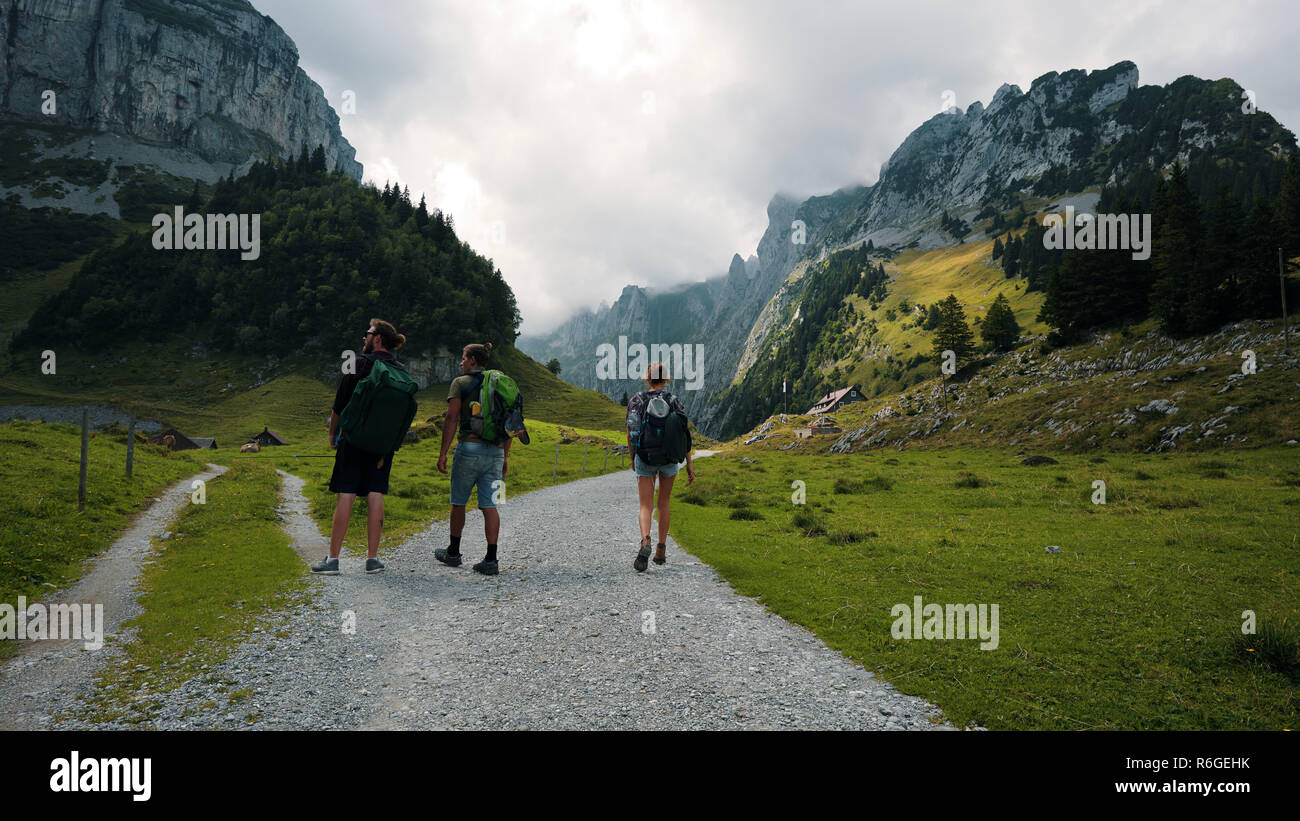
pixel 642 559
pixel 326 567
pixel 488 567
pixel 661 553
pixel 446 558
pixel 374 566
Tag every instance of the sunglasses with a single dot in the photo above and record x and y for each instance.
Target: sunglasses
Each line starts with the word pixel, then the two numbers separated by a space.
pixel 372 333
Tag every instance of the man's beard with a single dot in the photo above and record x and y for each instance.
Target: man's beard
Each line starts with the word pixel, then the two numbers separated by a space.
pixel 369 346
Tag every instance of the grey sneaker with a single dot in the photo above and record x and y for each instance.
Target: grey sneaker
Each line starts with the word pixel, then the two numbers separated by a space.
pixel 446 558
pixel 326 567
pixel 374 566
pixel 488 567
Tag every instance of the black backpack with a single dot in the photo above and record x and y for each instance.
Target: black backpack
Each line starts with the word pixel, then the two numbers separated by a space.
pixel 664 440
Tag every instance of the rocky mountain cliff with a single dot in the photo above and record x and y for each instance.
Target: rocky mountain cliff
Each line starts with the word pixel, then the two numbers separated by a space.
pixel 1070 133
pixel 192 88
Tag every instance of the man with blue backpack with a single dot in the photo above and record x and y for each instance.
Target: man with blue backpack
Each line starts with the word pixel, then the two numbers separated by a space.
pixel 485 408
pixel 372 412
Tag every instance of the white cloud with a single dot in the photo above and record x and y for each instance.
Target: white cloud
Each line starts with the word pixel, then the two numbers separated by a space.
pixel 640 141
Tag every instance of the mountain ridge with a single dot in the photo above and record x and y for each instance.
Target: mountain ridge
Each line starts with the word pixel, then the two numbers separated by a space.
pixel 1072 132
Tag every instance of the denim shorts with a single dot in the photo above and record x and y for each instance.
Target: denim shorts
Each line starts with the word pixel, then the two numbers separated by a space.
pixel 476 464
pixel 646 471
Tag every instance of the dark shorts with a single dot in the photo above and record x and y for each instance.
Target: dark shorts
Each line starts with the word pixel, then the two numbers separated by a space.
pixel 355 471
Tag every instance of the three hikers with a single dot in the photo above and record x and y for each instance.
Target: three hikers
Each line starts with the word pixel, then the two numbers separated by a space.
pixel 372 410
pixel 658 436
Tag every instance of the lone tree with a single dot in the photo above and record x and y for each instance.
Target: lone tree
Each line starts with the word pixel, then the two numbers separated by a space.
pixel 953 333
pixel 1000 328
pixel 624 400
pixel 553 366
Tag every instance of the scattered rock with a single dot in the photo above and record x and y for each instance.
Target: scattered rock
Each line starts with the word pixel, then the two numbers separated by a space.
pixel 1035 461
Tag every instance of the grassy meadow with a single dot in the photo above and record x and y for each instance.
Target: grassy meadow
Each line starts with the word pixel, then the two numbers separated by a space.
pixel 45 540
pixel 1136 623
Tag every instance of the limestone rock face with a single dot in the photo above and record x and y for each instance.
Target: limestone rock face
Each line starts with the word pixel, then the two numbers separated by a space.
pixel 214 77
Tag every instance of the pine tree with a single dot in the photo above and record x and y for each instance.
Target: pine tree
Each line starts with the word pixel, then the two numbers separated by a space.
pixel 194 203
pixel 553 366
pixel 624 400
pixel 997 249
pixel 1286 211
pixel 422 214
pixel 953 333
pixel 1000 328
pixel 1175 249
pixel 932 318
pixel 317 164
pixel 1260 294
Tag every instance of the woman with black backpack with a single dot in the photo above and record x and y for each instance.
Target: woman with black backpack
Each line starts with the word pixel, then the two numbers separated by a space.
pixel 656 433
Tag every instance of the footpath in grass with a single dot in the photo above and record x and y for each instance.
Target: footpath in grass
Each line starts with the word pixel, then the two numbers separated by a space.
pixel 419 494
pixel 226 566
pixel 1136 623
pixel 46 541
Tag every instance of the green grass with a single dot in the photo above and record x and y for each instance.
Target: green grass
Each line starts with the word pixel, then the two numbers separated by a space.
pixel 227 565
pixel 1134 624
pixel 419 494
pixel 218 398
pixel 45 541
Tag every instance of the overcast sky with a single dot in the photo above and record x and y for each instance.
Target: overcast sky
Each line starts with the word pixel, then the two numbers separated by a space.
pixel 588 145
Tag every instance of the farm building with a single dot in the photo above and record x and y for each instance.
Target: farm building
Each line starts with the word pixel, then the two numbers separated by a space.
pixel 175 440
pixel 268 437
pixel 834 399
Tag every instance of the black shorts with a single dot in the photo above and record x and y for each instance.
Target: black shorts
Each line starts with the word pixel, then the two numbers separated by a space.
pixel 355 471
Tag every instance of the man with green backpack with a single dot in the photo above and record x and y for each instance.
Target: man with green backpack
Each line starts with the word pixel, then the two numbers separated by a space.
pixel 372 412
pixel 487 409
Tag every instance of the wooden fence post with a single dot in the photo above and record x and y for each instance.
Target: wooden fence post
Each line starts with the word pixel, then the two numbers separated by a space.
pixel 130 444
pixel 85 444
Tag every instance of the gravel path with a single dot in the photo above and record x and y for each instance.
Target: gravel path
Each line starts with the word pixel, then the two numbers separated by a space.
pixel 562 639
pixel 46 675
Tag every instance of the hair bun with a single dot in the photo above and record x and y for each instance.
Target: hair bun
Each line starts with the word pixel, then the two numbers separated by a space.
pixel 487 345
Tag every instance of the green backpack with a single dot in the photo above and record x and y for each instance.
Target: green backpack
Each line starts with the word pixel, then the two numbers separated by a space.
pixel 380 411
pixel 498 414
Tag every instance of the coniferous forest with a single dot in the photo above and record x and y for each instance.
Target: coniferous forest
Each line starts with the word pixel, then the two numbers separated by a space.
pixel 333 254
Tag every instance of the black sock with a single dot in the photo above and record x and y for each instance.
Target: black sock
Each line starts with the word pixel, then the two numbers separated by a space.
pixel 454 550
pixel 492 553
